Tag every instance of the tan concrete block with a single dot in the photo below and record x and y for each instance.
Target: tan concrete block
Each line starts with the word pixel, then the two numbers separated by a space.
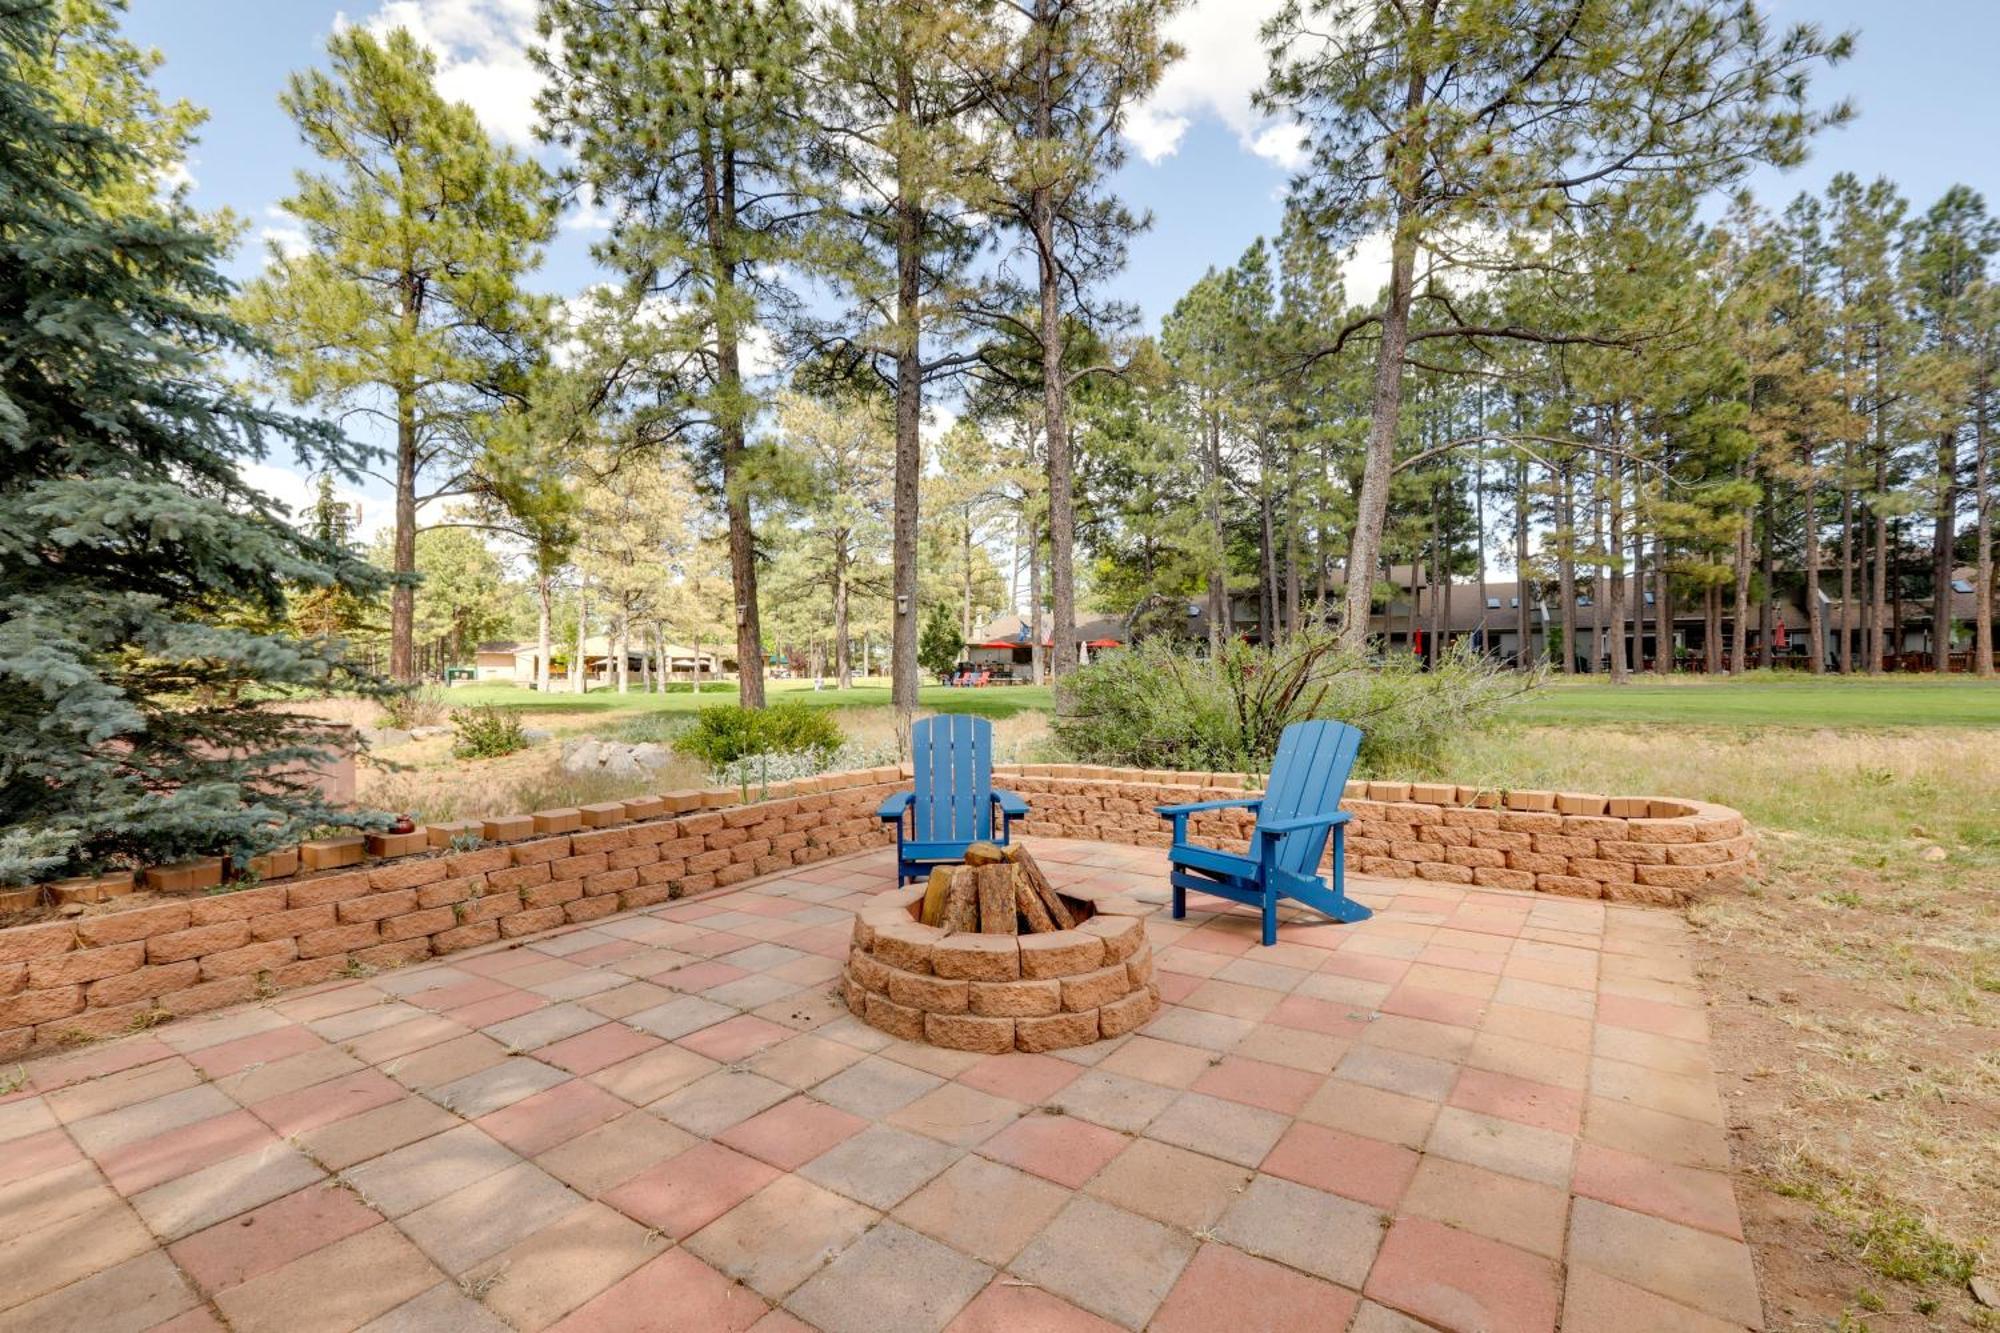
pixel 1127 1013
pixel 508 828
pixel 332 853
pixel 868 971
pixel 976 957
pixel 196 941
pixel 1061 953
pixel 1604 872
pixel 895 1019
pixel 1055 1033
pixel 906 945
pixel 1500 878
pixel 1676 877
pixel 1569 886
pixel 1139 967
pixel 1123 936
pixel 85 965
pixel 1444 872
pixel 1015 999
pixel 409 874
pixel 1638 853
pixel 932 994
pixel 971 1032
pixel 1092 989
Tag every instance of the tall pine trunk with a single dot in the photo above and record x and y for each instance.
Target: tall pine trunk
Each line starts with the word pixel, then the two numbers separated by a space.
pixel 1815 617
pixel 1620 665
pixel 1982 584
pixel 1218 578
pixel 909 466
pixel 1767 562
pixel 719 198
pixel 1944 538
pixel 580 668
pixel 403 597
pixel 843 664
pixel 1372 506
pixel 544 611
pixel 1566 570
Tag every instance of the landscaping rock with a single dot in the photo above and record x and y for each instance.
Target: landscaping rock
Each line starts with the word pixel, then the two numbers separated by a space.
pixel 380 736
pixel 616 758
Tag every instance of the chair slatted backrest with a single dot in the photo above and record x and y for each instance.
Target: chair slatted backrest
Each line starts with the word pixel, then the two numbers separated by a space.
pixel 1308 777
pixel 953 755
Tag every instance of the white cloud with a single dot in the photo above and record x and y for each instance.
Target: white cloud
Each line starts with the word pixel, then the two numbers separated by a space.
pixel 482 52
pixel 285 236
pixel 1223 66
pixel 586 214
pixel 297 491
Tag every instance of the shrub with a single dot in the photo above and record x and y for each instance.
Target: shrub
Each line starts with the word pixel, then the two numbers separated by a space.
pixel 1158 705
pixel 726 733
pixel 486 732
pixel 418 706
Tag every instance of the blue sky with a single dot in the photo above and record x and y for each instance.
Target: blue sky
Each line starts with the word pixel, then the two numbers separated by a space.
pixel 1210 171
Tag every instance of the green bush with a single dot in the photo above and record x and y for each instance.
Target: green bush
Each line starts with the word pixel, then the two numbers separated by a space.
pixel 486 732
pixel 1159 705
pixel 726 733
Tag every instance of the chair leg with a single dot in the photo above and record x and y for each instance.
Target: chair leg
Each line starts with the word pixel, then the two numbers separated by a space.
pixel 1270 918
pixel 1180 902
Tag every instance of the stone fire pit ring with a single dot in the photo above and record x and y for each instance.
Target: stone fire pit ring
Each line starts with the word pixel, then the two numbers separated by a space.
pixel 994 993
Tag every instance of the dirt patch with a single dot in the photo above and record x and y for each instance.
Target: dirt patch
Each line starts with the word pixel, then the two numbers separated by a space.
pixel 1856 1012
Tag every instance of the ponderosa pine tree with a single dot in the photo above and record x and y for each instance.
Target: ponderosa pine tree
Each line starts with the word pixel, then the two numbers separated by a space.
pixel 127 531
pixel 907 166
pixel 1060 100
pixel 1446 121
pixel 687 121
pixel 405 308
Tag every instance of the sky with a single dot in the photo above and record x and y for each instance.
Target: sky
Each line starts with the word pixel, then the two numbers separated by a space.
pixel 1209 169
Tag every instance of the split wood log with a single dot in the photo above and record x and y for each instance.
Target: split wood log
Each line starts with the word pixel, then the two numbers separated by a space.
pixel 996 900
pixel 961 903
pixel 1058 909
pixel 932 913
pixel 984 854
pixel 1030 904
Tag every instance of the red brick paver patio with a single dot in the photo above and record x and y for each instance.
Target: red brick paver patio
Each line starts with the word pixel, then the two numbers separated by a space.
pixel 1478 1110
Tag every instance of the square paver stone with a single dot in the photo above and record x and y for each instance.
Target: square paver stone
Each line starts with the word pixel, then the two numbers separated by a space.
pixel 613 1153
pixel 325 1292
pixel 1541 1155
pixel 957 1114
pixel 793 1132
pixel 1309 1229
pixel 234 1185
pixel 236 1250
pixel 780 1235
pixel 987 1210
pixel 546 1025
pixel 1055 1147
pixel 142 1292
pixel 714 1103
pixel 875 1087
pixel 487 1216
pixel 542 1278
pixel 444 1308
pixel 891 1278
pixel 427 1170
pixel 1229 1130
pixel 881 1165
pixel 684 1193
pixel 1106 1260
pixel 508 1082
pixel 1458 1279
pixel 1114 1101
pixel 1225 1288
pixel 1168 1184
pixel 1709 1272
pixel 675 1290
pixel 680 1016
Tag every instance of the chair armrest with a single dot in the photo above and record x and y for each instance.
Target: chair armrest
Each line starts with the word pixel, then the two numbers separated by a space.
pixel 1169 811
pixel 1279 827
pixel 1012 804
pixel 895 804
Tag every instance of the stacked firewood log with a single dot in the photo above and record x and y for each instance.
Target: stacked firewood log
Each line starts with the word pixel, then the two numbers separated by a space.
pixel 998 891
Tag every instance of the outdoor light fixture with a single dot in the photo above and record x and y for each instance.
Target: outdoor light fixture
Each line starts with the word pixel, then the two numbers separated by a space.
pixel 902 604
pixel 742 612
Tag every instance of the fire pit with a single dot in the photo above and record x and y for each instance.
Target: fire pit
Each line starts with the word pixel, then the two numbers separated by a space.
pixel 990 957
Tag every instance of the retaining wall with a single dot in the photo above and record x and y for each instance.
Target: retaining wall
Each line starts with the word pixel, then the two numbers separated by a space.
pixel 344 905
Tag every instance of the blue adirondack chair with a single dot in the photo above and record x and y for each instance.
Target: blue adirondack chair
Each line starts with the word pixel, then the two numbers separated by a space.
pixel 1299 807
pixel 954 801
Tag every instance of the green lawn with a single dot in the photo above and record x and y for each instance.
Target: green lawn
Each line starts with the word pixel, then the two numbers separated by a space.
pixel 1759 701
pixel 1774 701
pixel 992 701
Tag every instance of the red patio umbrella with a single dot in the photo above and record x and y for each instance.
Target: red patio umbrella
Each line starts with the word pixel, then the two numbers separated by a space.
pixel 1104 643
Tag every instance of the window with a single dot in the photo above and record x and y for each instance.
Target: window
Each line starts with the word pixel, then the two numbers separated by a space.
pixel 1583 599
pixel 1649 599
pixel 1493 604
pixel 1513 603
pixel 1961 585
